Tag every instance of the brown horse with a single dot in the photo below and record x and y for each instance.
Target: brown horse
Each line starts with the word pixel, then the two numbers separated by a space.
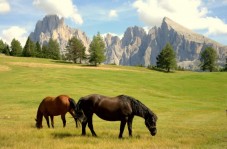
pixel 120 108
pixel 51 106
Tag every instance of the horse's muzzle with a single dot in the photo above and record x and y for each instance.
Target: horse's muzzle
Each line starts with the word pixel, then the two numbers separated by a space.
pixel 153 131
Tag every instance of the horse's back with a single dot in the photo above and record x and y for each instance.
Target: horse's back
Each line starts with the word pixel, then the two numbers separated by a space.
pixel 108 108
pixel 55 106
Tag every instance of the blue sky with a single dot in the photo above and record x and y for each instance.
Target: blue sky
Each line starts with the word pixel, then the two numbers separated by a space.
pixel 207 17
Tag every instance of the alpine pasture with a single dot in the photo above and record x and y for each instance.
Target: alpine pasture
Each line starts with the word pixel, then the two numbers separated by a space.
pixel 191 106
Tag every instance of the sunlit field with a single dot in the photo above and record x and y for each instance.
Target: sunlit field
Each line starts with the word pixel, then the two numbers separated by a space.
pixel 191 106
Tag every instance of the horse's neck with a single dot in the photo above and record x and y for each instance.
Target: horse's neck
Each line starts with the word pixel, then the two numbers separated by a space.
pixel 39 116
pixel 140 114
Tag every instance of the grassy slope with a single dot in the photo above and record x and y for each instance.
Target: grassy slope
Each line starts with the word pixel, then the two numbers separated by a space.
pixel 190 106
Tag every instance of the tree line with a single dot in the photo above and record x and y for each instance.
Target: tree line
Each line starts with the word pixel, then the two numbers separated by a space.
pixel 75 50
pixel 76 53
pixel 166 60
pixel 31 49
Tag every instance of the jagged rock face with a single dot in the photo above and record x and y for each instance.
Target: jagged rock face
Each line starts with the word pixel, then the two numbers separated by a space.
pixel 141 48
pixel 113 49
pixel 53 27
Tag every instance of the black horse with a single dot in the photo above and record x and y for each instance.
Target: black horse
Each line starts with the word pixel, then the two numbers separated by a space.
pixel 120 108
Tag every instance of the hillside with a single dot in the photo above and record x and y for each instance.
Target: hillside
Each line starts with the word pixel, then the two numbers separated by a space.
pixel 190 106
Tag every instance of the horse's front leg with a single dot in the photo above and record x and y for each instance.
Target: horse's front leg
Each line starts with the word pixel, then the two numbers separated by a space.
pixel 47 119
pixel 90 125
pixel 129 123
pixel 52 121
pixel 84 123
pixel 122 127
pixel 63 119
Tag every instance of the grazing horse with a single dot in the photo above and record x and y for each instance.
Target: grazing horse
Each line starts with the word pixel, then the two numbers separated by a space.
pixel 120 108
pixel 51 106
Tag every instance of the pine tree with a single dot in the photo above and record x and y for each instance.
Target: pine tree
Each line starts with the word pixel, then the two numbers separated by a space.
pixel 2 46
pixel 51 50
pixel 16 48
pixel 96 50
pixel 38 50
pixel 75 50
pixel 29 48
pixel 6 50
pixel 208 59
pixel 167 58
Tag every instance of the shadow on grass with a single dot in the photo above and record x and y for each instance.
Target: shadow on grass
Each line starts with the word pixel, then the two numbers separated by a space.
pixel 78 64
pixel 61 135
pixel 61 61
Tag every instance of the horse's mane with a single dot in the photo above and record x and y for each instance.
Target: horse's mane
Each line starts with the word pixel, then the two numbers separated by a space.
pixel 138 107
pixel 72 103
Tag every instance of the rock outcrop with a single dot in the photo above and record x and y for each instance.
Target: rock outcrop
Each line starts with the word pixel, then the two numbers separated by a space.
pixel 53 27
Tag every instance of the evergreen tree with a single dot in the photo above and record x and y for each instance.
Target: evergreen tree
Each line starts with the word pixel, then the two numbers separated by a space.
pixel 16 48
pixel 208 59
pixel 51 50
pixel 29 48
pixel 6 50
pixel 167 58
pixel 75 50
pixel 38 50
pixel 96 50
pixel 2 46
pixel 44 51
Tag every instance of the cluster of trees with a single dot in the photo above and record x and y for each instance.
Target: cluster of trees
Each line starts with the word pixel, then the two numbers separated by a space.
pixel 75 50
pixel 166 60
pixel 31 49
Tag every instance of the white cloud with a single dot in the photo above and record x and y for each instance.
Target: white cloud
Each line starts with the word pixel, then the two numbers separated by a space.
pixel 16 32
pixel 113 13
pixel 64 8
pixel 4 6
pixel 190 13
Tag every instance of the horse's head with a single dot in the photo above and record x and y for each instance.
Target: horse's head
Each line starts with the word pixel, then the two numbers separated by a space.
pixel 38 124
pixel 150 122
pixel 79 112
pixel 80 115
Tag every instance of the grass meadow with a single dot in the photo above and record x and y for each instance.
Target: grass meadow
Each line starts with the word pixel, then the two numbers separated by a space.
pixel 191 106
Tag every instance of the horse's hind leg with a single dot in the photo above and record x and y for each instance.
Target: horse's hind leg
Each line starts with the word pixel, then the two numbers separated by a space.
pixel 52 121
pixel 47 119
pixel 63 120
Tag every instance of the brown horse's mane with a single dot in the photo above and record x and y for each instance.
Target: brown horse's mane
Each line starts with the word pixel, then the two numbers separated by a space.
pixel 138 108
pixel 39 115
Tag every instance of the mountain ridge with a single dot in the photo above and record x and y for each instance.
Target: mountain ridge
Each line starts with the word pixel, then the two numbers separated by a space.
pixel 136 47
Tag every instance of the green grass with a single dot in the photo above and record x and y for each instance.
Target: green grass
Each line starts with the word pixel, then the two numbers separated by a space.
pixel 190 105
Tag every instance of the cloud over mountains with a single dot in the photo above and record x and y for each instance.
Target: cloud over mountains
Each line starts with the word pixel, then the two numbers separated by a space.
pixel 64 8
pixel 190 13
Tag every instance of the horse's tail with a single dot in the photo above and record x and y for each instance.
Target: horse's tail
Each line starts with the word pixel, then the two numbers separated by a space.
pixel 73 106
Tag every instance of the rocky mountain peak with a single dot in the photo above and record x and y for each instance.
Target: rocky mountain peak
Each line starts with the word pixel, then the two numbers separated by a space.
pixel 51 26
pixel 132 34
pixel 139 48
